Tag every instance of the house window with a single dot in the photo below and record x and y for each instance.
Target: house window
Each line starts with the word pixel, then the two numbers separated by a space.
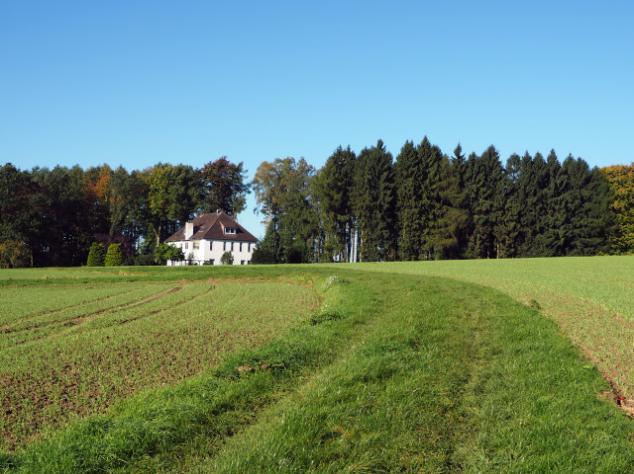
pixel 240 246
pixel 232 246
pixel 211 245
pixel 230 230
pixel 224 246
pixel 241 262
pixel 186 245
pixel 196 245
pixel 249 246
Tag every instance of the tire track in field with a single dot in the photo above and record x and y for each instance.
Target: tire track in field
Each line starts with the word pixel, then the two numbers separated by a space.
pixel 154 311
pixel 8 328
pixel 90 314
pixel 74 305
pixel 81 319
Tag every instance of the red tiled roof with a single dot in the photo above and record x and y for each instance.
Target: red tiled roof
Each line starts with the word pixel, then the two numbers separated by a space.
pixel 211 226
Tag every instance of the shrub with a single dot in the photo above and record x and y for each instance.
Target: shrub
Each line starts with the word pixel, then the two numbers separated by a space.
pixel 96 255
pixel 263 255
pixel 14 254
pixel 226 259
pixel 114 256
pixel 165 252
pixel 144 259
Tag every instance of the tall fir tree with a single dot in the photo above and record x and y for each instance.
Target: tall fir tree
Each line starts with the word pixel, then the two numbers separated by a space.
pixel 409 175
pixel 452 221
pixel 375 204
pixel 485 179
pixel 509 229
pixel 333 186
pixel 549 241
pixel 431 200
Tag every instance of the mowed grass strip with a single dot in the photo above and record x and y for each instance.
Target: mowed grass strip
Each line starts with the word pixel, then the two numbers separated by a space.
pixel 107 354
pixel 589 297
pixel 456 378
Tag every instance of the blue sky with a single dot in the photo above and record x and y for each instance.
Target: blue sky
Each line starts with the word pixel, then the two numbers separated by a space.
pixel 134 83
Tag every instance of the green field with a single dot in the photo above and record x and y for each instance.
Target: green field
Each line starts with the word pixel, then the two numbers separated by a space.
pixel 591 298
pixel 476 366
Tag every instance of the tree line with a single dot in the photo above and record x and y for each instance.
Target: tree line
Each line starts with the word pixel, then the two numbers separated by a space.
pixel 370 206
pixel 426 205
pixel 52 217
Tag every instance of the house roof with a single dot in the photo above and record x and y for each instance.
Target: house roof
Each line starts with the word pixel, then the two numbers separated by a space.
pixel 211 226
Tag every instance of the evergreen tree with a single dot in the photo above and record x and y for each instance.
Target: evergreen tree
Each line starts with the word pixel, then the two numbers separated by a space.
pixel 550 240
pixel 534 183
pixel 587 199
pixel 96 255
pixel 409 174
pixel 485 179
pixel 332 193
pixel 450 230
pixel 375 204
pixel 432 205
pixel 114 256
pixel 510 230
pixel 460 201
pixel 267 248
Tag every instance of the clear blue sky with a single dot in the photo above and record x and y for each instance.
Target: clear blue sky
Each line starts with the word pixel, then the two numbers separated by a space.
pixel 134 83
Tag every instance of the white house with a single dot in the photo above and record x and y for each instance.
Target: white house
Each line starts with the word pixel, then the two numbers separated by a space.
pixel 209 236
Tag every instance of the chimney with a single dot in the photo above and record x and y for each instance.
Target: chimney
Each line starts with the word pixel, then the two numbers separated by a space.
pixel 189 230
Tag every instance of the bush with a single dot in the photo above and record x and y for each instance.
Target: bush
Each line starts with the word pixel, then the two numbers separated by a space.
pixel 114 256
pixel 14 254
pixel 226 259
pixel 96 255
pixel 144 259
pixel 165 252
pixel 263 255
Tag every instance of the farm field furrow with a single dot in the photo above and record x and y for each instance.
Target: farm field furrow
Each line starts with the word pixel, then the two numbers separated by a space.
pixel 157 334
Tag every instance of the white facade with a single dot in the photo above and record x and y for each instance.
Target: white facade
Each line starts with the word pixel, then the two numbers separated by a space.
pixel 205 251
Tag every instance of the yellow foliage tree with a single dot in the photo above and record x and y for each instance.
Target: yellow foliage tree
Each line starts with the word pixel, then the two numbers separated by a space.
pixel 621 179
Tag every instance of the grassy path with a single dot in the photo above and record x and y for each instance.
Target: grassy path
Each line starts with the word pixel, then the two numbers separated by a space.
pixel 471 383
pixel 589 297
pixel 396 373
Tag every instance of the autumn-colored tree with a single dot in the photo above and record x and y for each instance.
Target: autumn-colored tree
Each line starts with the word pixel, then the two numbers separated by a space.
pixel 621 180
pixel 15 254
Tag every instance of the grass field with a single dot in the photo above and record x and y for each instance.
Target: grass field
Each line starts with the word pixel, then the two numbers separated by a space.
pixel 591 298
pixel 75 349
pixel 408 367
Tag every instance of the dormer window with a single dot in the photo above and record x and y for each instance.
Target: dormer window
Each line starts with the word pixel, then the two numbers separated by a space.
pixel 230 230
